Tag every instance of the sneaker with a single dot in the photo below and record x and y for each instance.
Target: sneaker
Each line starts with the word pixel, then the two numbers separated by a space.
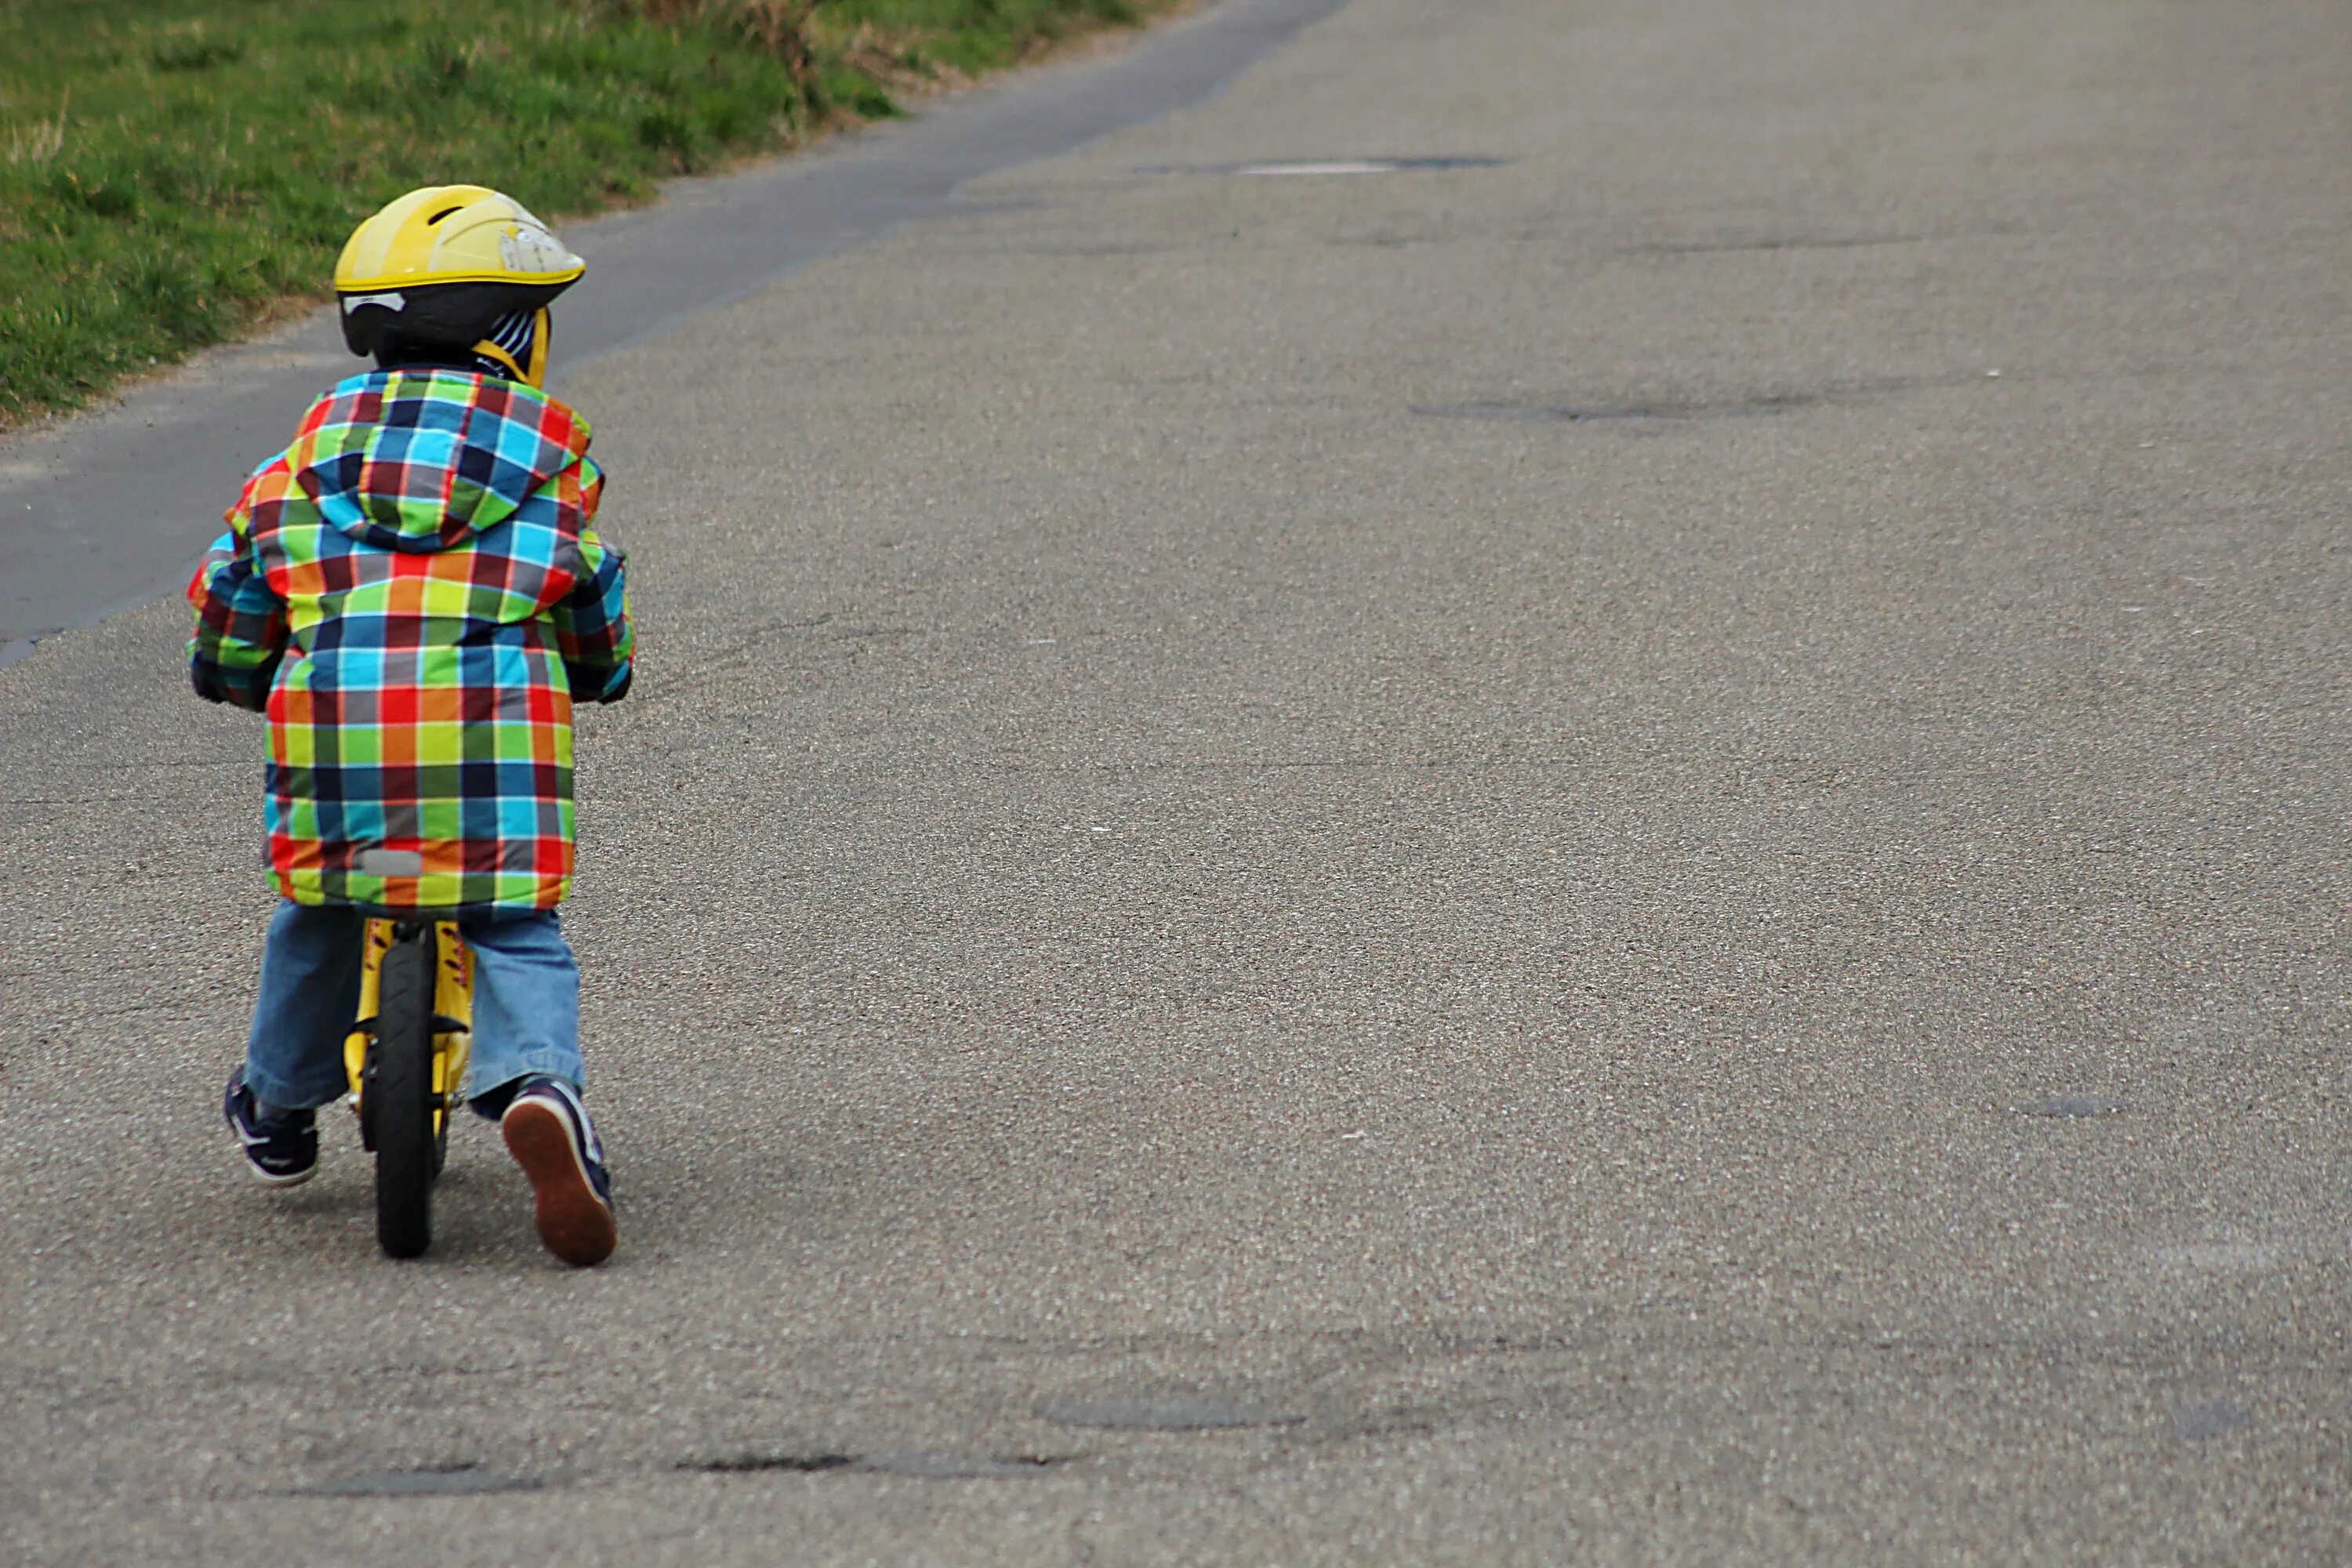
pixel 283 1148
pixel 547 1132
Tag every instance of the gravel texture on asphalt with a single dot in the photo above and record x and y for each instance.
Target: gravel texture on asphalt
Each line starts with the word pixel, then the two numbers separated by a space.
pixel 1638 854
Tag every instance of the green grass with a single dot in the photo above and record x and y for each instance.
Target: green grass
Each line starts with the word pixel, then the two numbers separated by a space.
pixel 173 172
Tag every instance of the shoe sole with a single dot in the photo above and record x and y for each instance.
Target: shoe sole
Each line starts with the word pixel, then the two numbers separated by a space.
pixel 572 1220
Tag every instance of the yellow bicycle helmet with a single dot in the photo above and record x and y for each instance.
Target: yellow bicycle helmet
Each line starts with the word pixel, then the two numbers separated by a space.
pixel 454 270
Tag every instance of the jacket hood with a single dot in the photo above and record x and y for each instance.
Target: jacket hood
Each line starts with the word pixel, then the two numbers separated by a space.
pixel 420 460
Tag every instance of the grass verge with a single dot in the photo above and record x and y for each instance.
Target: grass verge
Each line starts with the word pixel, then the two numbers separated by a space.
pixel 173 172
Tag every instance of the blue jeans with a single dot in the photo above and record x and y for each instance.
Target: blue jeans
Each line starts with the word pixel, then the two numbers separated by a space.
pixel 526 1004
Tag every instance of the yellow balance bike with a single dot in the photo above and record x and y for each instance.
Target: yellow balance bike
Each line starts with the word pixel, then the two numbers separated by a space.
pixel 407 1057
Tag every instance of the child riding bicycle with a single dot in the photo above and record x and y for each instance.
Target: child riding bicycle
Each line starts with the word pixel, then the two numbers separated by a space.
pixel 414 595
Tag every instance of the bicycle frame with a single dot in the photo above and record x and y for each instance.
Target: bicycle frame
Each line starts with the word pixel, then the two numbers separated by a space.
pixel 453 1001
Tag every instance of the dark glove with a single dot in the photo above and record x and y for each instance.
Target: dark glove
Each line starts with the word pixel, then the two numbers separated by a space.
pixel 206 677
pixel 216 684
pixel 591 678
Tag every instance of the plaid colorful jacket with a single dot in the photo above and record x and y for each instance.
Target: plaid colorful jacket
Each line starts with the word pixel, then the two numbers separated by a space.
pixel 413 593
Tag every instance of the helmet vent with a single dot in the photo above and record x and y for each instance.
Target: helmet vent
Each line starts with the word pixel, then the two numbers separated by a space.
pixel 444 212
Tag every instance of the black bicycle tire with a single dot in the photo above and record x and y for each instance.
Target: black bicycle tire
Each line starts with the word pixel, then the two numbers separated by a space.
pixel 401 1090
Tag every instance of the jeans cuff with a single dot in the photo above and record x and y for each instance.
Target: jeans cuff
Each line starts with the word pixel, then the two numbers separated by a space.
pixel 288 1095
pixel 552 1064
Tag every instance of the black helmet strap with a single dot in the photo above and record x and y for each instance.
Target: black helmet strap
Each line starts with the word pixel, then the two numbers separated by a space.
pixel 513 331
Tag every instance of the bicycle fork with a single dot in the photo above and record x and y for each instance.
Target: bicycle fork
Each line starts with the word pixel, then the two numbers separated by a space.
pixel 453 1015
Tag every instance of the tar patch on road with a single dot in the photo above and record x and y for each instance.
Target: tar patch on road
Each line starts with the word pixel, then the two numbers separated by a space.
pixel 958 1468
pixel 1640 415
pixel 436 1480
pixel 922 1467
pixel 1162 1415
pixel 2070 1107
pixel 1732 244
pixel 2213 1418
pixel 1548 413
pixel 1314 166
pixel 753 1464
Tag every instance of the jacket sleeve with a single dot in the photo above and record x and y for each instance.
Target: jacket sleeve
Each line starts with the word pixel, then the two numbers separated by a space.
pixel 591 624
pixel 240 623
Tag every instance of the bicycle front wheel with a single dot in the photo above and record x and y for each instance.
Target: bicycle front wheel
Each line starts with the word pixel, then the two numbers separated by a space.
pixel 399 1092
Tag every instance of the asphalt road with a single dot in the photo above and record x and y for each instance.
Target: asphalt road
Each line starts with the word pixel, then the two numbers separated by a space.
pixel 85 534
pixel 1638 854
